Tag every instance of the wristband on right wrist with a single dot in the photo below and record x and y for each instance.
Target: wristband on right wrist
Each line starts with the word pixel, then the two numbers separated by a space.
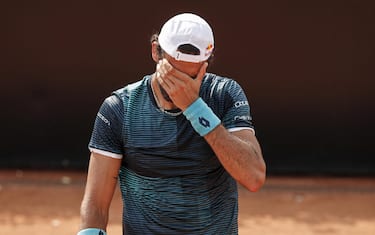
pixel 92 231
pixel 201 117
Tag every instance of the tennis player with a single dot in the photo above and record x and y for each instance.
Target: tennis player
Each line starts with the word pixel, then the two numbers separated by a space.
pixel 178 141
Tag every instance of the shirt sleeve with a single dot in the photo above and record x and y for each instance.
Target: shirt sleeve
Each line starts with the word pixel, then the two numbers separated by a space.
pixel 106 137
pixel 237 115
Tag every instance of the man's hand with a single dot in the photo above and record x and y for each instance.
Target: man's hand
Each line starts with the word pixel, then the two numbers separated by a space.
pixel 181 88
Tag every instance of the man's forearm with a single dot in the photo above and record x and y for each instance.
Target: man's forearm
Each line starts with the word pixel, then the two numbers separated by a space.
pixel 241 158
pixel 92 217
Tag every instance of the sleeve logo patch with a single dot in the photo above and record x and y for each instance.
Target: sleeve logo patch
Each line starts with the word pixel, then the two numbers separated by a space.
pixel 244 118
pixel 104 119
pixel 241 103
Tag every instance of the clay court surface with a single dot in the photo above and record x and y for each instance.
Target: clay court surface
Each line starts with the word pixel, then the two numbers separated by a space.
pixel 47 202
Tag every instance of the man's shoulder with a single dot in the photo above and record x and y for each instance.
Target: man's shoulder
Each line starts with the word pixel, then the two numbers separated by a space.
pixel 216 83
pixel 213 80
pixel 131 87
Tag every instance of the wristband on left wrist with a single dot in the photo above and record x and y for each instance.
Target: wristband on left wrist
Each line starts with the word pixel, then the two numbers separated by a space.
pixel 92 231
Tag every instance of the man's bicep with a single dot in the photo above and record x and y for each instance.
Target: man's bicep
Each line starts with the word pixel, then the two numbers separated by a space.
pixel 248 135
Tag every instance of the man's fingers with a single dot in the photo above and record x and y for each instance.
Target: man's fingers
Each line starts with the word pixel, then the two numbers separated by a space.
pixel 178 83
pixel 202 72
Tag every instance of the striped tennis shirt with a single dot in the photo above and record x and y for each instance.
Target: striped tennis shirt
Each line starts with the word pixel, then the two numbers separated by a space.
pixel 170 179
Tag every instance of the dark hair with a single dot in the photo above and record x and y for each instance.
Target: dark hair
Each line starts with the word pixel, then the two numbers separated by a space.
pixel 185 48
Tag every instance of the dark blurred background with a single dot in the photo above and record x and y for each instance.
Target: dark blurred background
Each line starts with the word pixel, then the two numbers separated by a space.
pixel 306 66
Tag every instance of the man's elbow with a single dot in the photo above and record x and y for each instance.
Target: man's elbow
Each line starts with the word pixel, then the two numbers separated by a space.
pixel 257 180
pixel 257 185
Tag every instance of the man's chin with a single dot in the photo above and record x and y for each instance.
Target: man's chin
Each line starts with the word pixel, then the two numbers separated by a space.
pixel 165 94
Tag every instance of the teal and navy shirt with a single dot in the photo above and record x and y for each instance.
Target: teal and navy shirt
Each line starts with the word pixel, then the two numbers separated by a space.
pixel 170 179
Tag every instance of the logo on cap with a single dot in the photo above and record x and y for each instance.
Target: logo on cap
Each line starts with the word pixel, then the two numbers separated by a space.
pixel 209 49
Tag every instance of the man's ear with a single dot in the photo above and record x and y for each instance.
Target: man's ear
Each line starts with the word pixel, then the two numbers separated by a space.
pixel 154 51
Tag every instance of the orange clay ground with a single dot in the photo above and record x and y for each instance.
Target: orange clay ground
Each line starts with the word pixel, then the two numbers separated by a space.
pixel 47 203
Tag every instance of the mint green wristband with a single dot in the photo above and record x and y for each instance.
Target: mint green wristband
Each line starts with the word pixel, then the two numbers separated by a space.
pixel 92 231
pixel 201 117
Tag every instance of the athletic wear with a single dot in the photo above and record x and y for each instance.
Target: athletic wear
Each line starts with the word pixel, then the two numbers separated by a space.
pixel 170 179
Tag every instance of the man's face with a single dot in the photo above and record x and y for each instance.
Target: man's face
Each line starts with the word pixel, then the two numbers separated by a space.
pixel 189 68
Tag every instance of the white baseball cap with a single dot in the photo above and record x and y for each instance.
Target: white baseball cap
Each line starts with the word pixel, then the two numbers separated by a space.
pixel 187 28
